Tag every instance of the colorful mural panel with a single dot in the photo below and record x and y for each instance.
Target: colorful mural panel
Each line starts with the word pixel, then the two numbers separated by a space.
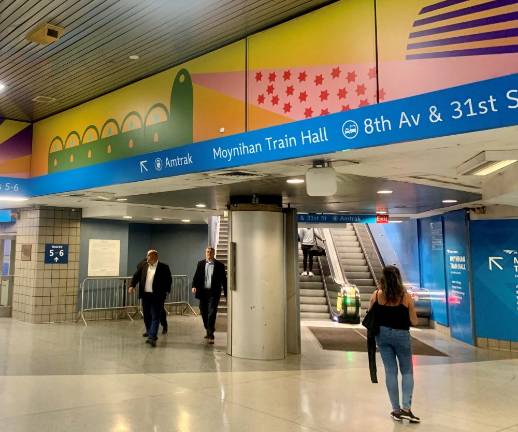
pixel 196 101
pixel 321 63
pixel 427 45
pixel 15 148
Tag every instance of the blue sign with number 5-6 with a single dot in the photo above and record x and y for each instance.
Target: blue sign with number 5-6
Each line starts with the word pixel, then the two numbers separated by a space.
pixel 56 253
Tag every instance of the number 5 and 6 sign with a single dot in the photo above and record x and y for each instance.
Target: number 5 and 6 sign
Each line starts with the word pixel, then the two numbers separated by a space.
pixel 56 253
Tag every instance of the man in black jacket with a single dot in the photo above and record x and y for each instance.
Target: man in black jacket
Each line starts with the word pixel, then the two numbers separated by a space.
pixel 210 278
pixel 154 280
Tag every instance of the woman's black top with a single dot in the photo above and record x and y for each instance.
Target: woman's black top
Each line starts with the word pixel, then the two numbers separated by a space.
pixel 396 317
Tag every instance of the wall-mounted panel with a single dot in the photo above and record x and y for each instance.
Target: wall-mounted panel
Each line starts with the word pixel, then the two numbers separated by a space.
pixel 317 64
pixel 427 45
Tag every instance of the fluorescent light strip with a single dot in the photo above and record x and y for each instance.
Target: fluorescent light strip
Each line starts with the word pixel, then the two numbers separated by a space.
pixel 12 198
pixel 495 166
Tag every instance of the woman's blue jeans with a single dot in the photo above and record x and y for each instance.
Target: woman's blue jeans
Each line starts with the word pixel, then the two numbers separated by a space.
pixel 395 344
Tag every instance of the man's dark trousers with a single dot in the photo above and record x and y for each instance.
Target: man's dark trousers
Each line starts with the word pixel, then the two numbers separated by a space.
pixel 152 307
pixel 209 309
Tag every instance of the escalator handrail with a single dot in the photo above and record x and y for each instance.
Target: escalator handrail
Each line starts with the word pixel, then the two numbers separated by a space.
pixel 365 253
pixel 332 313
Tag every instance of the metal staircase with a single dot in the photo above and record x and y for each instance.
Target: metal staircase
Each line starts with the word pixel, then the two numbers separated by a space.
pixel 354 263
pixel 222 255
pixel 313 301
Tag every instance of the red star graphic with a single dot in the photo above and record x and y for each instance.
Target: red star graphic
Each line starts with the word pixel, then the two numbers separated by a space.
pixel 351 76
pixel 363 102
pixel 342 93
pixel 372 73
pixel 286 75
pixel 319 79
pixel 324 111
pixel 346 107
pixel 360 89
pixel 275 100
pixel 303 96
pixel 258 76
pixel 272 76
pixel 308 112
pixel 382 94
pixel 324 94
pixel 302 76
pixel 270 89
pixel 260 99
pixel 289 90
pixel 287 107
pixel 335 73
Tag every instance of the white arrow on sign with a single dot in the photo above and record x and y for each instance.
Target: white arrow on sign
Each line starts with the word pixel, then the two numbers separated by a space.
pixel 494 261
pixel 143 166
pixel 56 259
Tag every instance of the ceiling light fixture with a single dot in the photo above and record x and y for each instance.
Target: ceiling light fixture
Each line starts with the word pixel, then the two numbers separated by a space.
pixel 186 220
pixel 121 199
pixel 102 197
pixel 344 211
pixel 395 221
pixel 2 86
pixel 134 57
pixel 13 198
pixel 157 219
pixel 449 201
pixel 488 162
pixel 127 217
pixel 295 181
pixel 384 192
pixel 382 212
pixel 201 205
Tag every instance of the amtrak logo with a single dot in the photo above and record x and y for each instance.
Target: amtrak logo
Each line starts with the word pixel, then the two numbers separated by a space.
pixel 350 129
pixel 158 164
pixel 511 251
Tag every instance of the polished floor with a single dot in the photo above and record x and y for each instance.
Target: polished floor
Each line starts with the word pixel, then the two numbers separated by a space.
pixel 65 377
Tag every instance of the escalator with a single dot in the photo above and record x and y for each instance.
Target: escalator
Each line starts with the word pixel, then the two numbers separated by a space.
pixel 313 302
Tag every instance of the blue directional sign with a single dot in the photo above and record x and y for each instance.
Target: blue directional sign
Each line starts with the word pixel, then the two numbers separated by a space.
pixel 56 253
pixel 472 107
pixel 335 218
pixel 494 246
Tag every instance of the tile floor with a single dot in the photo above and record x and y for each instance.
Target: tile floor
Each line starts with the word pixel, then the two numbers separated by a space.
pixel 65 377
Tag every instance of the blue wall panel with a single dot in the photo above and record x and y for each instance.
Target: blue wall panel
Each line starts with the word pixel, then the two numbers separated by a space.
pixel 456 243
pixel 431 252
pixel 494 246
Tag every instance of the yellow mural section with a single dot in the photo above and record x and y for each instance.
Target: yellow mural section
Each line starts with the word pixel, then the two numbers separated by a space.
pixel 211 107
pixel 340 33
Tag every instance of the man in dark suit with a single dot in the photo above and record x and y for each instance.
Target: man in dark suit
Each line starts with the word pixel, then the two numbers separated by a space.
pixel 210 278
pixel 163 314
pixel 154 280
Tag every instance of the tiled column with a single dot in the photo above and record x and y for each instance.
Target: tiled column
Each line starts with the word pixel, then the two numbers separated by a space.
pixel 46 292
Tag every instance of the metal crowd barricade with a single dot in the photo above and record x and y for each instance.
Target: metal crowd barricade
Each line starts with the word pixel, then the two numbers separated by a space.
pixel 107 293
pixel 179 295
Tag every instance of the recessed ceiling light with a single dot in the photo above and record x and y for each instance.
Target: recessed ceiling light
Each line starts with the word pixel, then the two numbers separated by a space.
pixel 127 217
pixel 13 198
pixel 381 212
pixel 344 211
pixel 295 181
pixel 201 205
pixel 121 199
pixel 157 219
pixel 186 220
pixel 384 192
pixel 2 86
pixel 134 57
pixel 449 201
pixel 102 197
pixel 395 221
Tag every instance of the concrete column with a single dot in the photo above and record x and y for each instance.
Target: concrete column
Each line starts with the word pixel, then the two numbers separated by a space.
pixel 45 292
pixel 258 298
pixel 292 283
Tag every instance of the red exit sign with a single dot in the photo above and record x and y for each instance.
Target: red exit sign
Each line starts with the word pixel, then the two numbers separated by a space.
pixel 382 219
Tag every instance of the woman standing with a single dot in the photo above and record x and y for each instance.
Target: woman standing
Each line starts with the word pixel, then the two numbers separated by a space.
pixel 395 312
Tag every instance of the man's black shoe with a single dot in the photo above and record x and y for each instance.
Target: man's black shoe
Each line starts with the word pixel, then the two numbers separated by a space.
pixel 151 342
pixel 145 334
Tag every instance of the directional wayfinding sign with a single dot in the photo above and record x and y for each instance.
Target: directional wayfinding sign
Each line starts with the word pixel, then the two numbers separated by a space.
pixel 494 245
pixel 56 253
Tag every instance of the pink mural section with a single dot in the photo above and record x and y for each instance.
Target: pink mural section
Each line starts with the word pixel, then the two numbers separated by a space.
pixel 410 77
pixel 300 93
pixel 228 83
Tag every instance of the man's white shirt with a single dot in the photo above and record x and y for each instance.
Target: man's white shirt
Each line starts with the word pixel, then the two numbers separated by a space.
pixel 151 269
